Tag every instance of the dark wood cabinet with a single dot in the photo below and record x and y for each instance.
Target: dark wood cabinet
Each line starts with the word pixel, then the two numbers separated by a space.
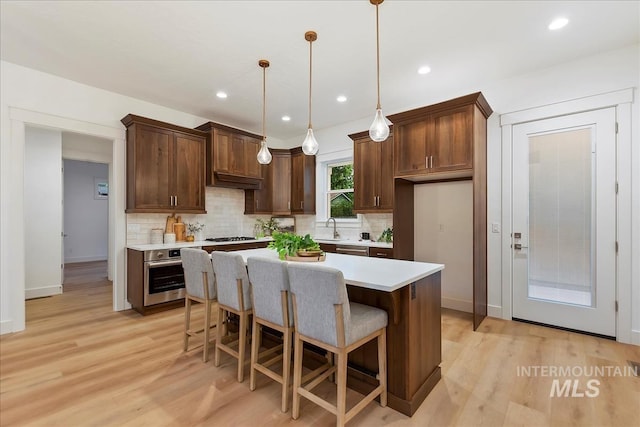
pixel 372 174
pixel 444 141
pixel 288 185
pixel 437 142
pixel 328 247
pixel 236 246
pixel 281 182
pixel 165 167
pixel 303 182
pixel 231 157
pixel 381 252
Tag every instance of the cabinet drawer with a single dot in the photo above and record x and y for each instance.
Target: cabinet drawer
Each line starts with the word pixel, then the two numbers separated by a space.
pixel 381 252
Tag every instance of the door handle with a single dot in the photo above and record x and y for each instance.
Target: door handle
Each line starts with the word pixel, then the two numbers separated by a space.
pixel 518 246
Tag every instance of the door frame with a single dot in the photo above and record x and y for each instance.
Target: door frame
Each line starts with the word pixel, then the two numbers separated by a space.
pixel 621 100
pixel 15 270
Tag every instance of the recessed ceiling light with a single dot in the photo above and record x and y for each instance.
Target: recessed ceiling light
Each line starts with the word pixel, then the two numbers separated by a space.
pixel 558 23
pixel 286 118
pixel 221 95
pixel 425 69
pixel 341 98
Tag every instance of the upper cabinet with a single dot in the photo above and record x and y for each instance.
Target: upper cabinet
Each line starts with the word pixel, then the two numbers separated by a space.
pixel 437 142
pixel 232 157
pixel 372 174
pixel 288 185
pixel 303 182
pixel 165 167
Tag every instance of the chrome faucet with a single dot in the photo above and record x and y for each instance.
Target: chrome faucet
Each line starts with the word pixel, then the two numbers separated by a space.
pixel 335 232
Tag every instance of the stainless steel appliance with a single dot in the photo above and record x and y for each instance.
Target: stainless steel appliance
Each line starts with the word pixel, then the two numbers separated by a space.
pixel 163 276
pixel 352 250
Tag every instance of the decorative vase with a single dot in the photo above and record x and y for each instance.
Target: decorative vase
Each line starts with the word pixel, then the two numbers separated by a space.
pixel 198 236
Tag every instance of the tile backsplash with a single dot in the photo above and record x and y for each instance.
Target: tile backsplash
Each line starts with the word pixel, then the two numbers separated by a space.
pixel 225 217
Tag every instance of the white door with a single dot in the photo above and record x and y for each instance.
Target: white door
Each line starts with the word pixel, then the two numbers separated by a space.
pixel 564 221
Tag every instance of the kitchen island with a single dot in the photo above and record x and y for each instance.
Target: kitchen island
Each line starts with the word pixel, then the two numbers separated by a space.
pixel 410 294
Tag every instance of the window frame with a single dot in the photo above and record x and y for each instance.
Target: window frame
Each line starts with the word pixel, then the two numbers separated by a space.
pixel 322 185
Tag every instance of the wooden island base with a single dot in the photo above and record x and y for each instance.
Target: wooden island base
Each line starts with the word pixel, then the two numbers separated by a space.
pixel 413 343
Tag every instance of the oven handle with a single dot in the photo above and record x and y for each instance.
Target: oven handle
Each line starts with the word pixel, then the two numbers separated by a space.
pixel 163 263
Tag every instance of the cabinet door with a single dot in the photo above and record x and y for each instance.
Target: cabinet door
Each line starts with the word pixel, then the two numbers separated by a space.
pixel 410 153
pixel 221 151
pixel 385 175
pixel 261 201
pixel 189 158
pixel 451 146
pixel 303 183
pixel 152 158
pixel 365 168
pixel 251 167
pixel 281 187
pixel 237 163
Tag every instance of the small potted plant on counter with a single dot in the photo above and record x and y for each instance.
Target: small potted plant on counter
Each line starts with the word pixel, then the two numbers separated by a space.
pixel 292 245
pixel 195 229
pixel 265 228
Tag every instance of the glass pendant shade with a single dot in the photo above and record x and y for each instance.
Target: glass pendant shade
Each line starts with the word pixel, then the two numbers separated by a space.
pixel 310 145
pixel 264 156
pixel 379 130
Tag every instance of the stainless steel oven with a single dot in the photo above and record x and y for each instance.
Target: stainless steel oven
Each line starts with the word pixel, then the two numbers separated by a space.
pixel 163 276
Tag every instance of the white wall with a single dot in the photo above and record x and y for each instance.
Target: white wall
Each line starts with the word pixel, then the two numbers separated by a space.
pixel 86 218
pixel 42 212
pixel 443 227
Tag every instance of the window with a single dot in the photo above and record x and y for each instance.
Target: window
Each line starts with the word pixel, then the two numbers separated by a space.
pixel 340 190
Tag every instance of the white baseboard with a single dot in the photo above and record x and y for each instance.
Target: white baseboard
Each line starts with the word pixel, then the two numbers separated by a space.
pixel 71 260
pixel 6 326
pixel 46 291
pixel 494 311
pixel 457 304
pixel 635 337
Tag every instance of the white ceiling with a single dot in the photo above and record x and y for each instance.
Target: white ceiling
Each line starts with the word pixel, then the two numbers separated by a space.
pixel 179 54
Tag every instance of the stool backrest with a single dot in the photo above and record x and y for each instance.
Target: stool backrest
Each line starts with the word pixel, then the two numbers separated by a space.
pixel 269 279
pixel 230 268
pixel 195 262
pixel 318 292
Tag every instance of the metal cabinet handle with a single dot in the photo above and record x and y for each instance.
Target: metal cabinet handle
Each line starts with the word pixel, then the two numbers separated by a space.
pixel 426 162
pixel 301 204
pixel 431 162
pixel 176 200
pixel 381 254
pixel 289 205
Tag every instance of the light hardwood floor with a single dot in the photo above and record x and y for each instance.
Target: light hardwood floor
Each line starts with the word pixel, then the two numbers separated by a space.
pixel 78 363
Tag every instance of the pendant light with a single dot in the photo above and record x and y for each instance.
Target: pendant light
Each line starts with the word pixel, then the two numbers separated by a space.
pixel 264 156
pixel 310 145
pixel 379 130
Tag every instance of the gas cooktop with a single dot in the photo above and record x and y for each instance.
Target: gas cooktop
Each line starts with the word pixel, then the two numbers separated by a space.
pixel 230 239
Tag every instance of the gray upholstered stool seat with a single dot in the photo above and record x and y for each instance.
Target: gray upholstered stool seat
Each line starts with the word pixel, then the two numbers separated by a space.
pixel 272 307
pixel 233 289
pixel 199 286
pixel 325 318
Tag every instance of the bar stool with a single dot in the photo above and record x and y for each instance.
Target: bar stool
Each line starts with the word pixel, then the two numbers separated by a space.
pixel 199 287
pixel 233 297
pixel 324 317
pixel 272 308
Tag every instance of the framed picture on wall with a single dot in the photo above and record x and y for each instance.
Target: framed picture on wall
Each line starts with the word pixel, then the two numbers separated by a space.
pixel 286 223
pixel 101 188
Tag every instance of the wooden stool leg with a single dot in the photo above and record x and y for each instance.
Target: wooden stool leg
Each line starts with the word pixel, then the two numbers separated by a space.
pixel 187 322
pixel 255 348
pixel 207 323
pixel 297 376
pixel 382 366
pixel 286 368
pixel 219 330
pixel 242 342
pixel 341 404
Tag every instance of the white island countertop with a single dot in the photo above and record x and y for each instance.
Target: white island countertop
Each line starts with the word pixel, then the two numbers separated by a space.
pixel 369 272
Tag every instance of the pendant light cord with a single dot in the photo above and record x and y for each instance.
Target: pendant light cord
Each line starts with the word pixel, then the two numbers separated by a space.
pixel 378 55
pixel 264 101
pixel 310 78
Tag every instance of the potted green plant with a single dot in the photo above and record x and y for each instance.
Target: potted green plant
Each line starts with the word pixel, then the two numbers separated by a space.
pixel 386 236
pixel 265 228
pixel 289 244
